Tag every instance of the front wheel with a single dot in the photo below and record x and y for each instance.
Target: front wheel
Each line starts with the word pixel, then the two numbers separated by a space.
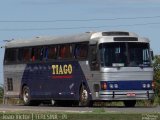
pixel 84 97
pixel 130 103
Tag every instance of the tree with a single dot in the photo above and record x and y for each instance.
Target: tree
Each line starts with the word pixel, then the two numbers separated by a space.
pixel 156 66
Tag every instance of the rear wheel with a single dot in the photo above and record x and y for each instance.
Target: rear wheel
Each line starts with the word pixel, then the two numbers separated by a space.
pixel 27 97
pixel 130 103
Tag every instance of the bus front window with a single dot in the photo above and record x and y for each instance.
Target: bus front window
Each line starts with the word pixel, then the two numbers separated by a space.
pixel 113 54
pixel 139 54
pixel 122 54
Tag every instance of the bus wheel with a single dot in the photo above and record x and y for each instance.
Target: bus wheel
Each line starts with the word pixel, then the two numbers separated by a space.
pixel 129 103
pixel 26 95
pixel 84 97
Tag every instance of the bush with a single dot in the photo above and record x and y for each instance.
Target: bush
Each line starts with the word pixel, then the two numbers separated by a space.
pixel 1 92
pixel 156 66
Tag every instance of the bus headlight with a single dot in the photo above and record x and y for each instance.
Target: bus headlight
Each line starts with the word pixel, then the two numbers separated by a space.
pixel 144 85
pixel 111 86
pixel 148 85
pixel 116 86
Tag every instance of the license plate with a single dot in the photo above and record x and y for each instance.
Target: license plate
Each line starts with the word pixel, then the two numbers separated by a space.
pixel 131 94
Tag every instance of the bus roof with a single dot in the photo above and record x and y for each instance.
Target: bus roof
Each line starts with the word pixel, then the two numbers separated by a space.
pixel 38 41
pixel 91 37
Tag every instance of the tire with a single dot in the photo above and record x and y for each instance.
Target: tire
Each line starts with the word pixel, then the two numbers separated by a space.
pixel 84 97
pixel 130 103
pixel 27 97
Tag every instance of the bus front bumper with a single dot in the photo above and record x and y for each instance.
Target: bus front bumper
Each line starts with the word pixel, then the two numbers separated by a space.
pixel 126 95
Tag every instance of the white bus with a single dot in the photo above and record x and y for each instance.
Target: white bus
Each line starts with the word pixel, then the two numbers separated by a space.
pixel 82 68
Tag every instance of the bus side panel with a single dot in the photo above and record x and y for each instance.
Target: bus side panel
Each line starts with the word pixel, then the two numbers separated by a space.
pixel 55 80
pixel 12 80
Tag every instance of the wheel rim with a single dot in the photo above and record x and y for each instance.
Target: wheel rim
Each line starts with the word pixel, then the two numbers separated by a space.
pixel 84 96
pixel 25 96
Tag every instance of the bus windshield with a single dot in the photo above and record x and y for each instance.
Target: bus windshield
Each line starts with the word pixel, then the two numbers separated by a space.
pixel 121 54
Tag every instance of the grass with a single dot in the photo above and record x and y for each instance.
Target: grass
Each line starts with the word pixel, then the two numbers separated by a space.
pixel 99 110
pixel 103 104
pixel 104 116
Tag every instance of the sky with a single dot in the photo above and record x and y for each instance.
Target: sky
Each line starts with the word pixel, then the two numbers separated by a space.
pixel 22 19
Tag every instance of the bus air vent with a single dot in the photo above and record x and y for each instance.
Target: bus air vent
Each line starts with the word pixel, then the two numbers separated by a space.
pixel 125 39
pixel 115 33
pixel 10 84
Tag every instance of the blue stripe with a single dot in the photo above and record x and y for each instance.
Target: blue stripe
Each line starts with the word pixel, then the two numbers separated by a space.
pixel 129 85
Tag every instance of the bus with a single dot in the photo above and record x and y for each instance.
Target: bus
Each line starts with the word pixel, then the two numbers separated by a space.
pixel 80 69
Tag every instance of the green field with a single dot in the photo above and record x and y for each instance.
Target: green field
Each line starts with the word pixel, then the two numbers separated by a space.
pixel 98 114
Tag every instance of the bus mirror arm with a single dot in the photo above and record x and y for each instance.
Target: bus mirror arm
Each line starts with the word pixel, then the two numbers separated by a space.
pixel 152 54
pixel 94 62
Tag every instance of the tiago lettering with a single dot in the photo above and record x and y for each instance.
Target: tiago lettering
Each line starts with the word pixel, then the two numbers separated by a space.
pixel 62 69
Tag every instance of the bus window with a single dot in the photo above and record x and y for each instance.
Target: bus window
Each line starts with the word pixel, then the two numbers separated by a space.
pixel 33 54
pixel 20 54
pixel 52 52
pixel 94 62
pixel 26 54
pixel 37 53
pixel 45 53
pixel 65 51
pixel 11 55
pixel 42 53
pixel 81 51
pixel 10 84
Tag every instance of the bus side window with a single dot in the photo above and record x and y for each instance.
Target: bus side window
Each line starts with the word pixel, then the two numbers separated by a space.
pixel 65 51
pixel 26 54
pixel 52 52
pixel 37 53
pixel 20 54
pixel 33 55
pixel 42 53
pixel 46 52
pixel 94 64
pixel 81 51
pixel 62 51
pixel 11 55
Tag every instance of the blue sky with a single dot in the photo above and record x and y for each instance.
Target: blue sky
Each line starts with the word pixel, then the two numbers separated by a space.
pixel 50 10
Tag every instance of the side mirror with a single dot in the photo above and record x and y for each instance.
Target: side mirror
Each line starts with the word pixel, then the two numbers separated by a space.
pixel 152 55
